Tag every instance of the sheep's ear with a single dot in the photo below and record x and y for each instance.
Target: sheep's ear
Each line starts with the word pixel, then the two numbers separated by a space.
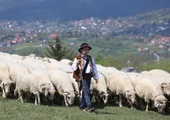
pixel 2 84
pixel 42 87
pixel 164 85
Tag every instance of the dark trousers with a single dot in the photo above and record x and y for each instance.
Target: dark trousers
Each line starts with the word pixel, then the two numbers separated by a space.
pixel 85 87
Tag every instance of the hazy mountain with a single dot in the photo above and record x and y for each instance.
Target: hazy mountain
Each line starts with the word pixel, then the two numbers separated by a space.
pixel 76 9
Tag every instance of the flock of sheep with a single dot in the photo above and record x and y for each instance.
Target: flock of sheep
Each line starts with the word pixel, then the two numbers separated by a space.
pixel 35 76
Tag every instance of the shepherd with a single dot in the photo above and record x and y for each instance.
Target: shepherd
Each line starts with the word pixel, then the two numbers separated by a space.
pixel 87 64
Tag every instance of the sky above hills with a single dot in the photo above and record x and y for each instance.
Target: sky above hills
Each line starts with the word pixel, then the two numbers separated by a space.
pixel 76 9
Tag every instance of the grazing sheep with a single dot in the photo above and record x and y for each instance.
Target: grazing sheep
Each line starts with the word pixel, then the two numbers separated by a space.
pixel 148 89
pixel 9 59
pixel 17 68
pixel 29 83
pixel 54 64
pixel 5 81
pixel 61 81
pixel 120 84
pixel 33 63
pixel 75 84
pixel 45 80
pixel 100 89
pixel 162 77
pixel 66 62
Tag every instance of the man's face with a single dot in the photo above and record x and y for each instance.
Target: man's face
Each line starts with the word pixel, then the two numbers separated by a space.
pixel 85 50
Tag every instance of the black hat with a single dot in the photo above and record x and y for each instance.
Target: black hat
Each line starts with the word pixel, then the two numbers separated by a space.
pixel 83 45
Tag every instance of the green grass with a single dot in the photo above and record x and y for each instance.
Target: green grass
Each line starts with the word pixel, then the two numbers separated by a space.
pixel 114 47
pixel 11 109
pixel 25 45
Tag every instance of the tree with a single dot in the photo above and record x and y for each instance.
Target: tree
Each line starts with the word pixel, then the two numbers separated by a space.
pixel 56 50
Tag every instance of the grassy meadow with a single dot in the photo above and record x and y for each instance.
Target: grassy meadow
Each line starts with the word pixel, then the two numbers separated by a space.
pixel 11 109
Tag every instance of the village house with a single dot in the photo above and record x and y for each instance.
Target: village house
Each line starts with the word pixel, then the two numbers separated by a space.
pixel 154 41
pixel 53 36
pixel 140 49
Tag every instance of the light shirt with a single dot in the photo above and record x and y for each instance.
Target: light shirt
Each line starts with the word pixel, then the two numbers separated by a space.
pixel 91 67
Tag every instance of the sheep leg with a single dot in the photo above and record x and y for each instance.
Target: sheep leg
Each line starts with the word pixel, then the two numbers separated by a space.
pixel 15 91
pixel 39 102
pixel 20 96
pixel 35 100
pixel 120 100
pixel 65 101
pixel 147 107
pixel 3 93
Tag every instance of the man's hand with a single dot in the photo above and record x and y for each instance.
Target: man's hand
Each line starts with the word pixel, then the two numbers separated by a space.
pixel 97 81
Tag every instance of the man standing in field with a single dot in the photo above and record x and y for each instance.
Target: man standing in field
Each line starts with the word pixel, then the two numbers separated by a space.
pixel 88 66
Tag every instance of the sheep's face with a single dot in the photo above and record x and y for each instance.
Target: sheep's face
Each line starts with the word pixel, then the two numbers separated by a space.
pixel 130 95
pixel 51 94
pixel 104 97
pixel 70 98
pixel 166 88
pixel 44 90
pixel 5 85
pixel 160 105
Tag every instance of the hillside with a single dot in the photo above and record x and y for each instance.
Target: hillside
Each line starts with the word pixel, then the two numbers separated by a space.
pixel 75 9
pixel 143 33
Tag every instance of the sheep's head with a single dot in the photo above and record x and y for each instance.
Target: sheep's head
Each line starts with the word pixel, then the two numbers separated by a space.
pixel 5 85
pixel 69 98
pixel 51 94
pixel 130 95
pixel 104 96
pixel 160 103
pixel 45 89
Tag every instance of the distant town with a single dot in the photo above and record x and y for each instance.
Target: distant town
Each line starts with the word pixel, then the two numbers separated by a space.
pixel 149 31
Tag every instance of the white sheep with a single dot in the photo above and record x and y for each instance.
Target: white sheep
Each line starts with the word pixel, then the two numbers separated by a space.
pixel 162 77
pixel 120 84
pixel 29 83
pixel 75 84
pixel 54 64
pixel 148 89
pixel 33 62
pixel 45 80
pixel 17 68
pixel 100 89
pixel 66 62
pixel 5 79
pixel 9 59
pixel 103 70
pixel 62 83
